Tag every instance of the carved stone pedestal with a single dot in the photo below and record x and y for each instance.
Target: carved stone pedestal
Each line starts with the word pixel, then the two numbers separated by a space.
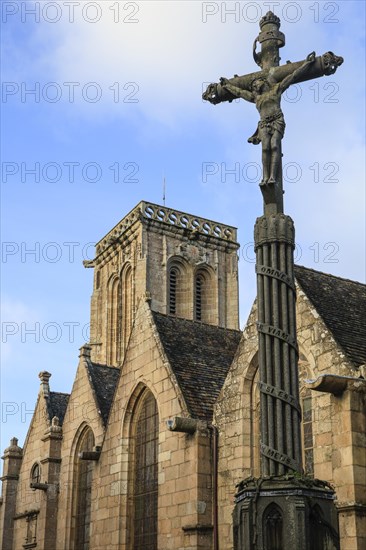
pixel 285 513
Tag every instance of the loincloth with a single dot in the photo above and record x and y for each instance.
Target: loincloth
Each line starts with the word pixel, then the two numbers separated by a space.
pixel 267 126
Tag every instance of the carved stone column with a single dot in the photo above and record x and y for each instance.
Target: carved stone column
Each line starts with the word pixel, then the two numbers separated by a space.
pixel 283 508
pixel 278 355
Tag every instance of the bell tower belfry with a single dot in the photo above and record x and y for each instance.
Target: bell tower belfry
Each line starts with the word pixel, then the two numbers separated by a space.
pixel 183 265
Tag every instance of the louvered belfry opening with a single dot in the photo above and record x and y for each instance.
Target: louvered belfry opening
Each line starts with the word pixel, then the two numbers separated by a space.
pixel 84 479
pixel 199 297
pixel 173 282
pixel 146 475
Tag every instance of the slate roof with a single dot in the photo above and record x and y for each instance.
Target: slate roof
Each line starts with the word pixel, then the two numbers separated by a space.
pixel 200 356
pixel 57 404
pixel 104 380
pixel 341 303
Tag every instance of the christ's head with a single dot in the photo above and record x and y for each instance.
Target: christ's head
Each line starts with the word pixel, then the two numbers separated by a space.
pixel 260 85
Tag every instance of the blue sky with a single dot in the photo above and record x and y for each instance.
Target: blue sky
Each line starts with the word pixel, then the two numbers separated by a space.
pixel 116 104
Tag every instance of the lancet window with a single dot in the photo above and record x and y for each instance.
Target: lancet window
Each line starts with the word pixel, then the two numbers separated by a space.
pixel 145 474
pixel 83 492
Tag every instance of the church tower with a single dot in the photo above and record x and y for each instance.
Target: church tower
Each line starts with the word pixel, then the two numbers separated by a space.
pixel 184 265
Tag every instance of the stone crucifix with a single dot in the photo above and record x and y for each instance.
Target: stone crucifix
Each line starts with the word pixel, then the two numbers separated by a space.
pixel 274 238
pixel 280 508
pixel 265 88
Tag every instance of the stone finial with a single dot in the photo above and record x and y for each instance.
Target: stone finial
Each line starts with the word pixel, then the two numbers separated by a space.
pixel 85 351
pixel 44 377
pixel 54 429
pixel 55 421
pixel 13 449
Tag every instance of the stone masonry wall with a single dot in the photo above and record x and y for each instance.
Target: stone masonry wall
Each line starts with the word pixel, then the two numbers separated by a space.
pixel 338 425
pixel 43 504
pixel 184 483
pixel 81 412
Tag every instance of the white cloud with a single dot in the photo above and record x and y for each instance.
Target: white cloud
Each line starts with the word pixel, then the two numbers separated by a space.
pixel 168 53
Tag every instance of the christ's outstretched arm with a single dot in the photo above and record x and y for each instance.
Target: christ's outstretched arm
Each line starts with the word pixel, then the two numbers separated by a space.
pixel 236 91
pixel 286 82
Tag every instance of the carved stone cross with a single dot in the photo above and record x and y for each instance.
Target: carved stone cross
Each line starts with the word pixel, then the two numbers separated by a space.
pixel 274 239
pixel 276 509
pixel 265 88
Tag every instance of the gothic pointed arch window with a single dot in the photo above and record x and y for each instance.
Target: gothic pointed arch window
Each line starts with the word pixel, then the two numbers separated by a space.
pixel 97 280
pixel 306 402
pixel 127 303
pixel 307 431
pixel 255 418
pixel 82 493
pixel 114 321
pixel 273 527
pixel 35 476
pixel 144 520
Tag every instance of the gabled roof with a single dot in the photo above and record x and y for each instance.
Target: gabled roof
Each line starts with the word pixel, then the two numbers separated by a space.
pixel 341 303
pixel 200 356
pixel 104 380
pixel 56 405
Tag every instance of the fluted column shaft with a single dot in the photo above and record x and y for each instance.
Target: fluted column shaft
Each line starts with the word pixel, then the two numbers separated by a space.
pixel 278 352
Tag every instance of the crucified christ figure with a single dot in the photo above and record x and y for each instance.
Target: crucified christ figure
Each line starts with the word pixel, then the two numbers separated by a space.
pixel 266 94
